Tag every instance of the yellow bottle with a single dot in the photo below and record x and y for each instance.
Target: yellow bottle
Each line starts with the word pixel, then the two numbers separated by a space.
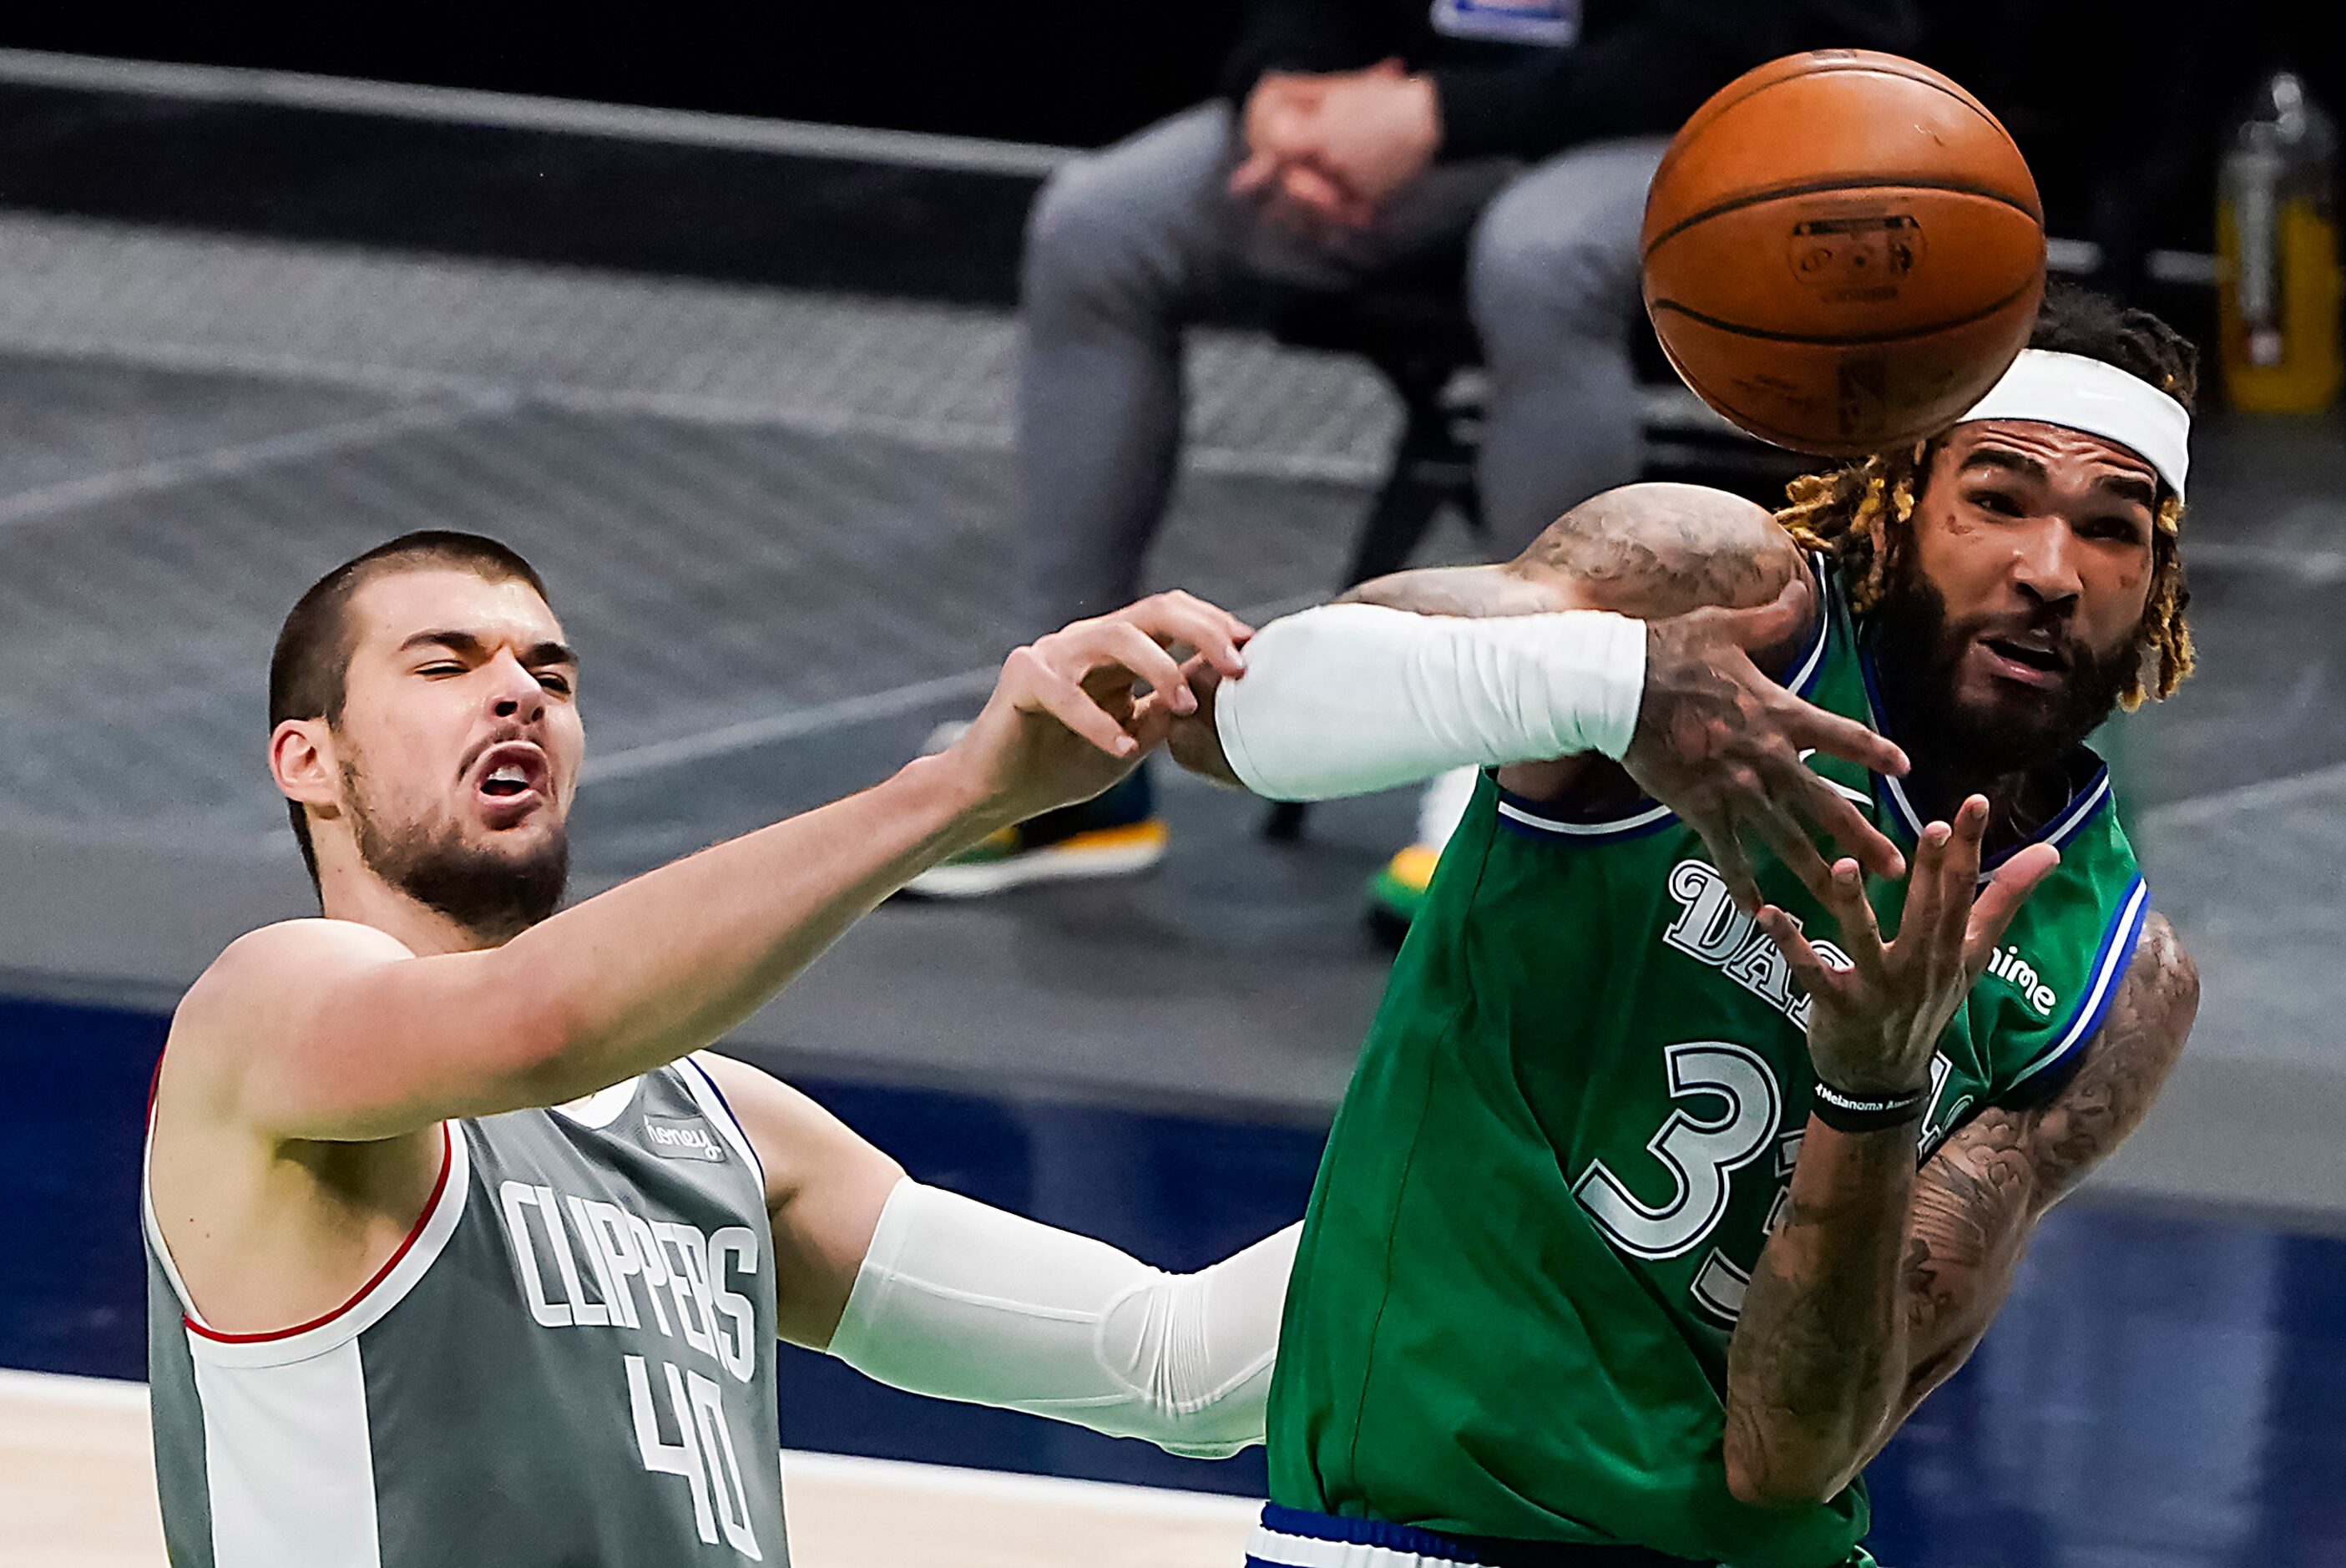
pixel 2277 263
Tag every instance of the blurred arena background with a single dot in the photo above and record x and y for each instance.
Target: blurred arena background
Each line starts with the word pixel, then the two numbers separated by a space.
pixel 714 318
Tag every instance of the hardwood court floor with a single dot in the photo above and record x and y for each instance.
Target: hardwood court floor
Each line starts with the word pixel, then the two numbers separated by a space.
pixel 77 1491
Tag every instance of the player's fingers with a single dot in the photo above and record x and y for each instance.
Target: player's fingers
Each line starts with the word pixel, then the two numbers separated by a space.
pixel 1280 134
pixel 1959 879
pixel 1122 644
pixel 1773 818
pixel 1238 627
pixel 1151 720
pixel 2014 881
pixel 1861 936
pixel 1718 831
pixel 1925 887
pixel 1810 727
pixel 1053 692
pixel 1796 797
pixel 1767 626
pixel 1179 617
pixel 1808 970
pixel 1838 818
pixel 1198 674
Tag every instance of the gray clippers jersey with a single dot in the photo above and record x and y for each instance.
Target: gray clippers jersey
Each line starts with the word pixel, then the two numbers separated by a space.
pixel 570 1362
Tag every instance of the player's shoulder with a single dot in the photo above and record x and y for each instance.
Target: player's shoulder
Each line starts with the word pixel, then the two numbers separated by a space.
pixel 737 1080
pixel 2157 1004
pixel 1656 549
pixel 799 1144
pixel 292 950
pixel 2162 977
pixel 267 973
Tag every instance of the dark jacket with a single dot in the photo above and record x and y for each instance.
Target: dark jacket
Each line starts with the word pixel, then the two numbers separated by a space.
pixel 1640 68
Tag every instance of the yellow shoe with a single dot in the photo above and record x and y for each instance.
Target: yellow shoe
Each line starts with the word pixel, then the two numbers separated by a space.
pixel 1396 893
pixel 1115 835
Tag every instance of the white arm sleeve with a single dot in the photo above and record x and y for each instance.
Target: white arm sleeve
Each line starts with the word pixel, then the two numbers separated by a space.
pixel 967 1302
pixel 1346 699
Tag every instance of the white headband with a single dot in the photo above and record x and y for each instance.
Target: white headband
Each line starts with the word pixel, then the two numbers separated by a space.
pixel 2099 398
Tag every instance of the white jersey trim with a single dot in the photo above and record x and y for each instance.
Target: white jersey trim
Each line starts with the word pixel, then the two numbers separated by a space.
pixel 365 1311
pixel 1618 827
pixel 602 1107
pixel 154 1228
pixel 702 1087
pixel 2109 969
pixel 288 1460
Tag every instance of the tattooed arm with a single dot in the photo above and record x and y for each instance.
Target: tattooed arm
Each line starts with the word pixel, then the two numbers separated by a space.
pixel 1893 1323
pixel 1490 665
pixel 1982 1193
pixel 1649 551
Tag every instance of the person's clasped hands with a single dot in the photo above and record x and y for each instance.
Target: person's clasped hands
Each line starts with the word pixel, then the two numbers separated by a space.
pixel 1331 150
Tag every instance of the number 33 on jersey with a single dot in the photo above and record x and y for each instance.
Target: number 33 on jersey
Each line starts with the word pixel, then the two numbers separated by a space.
pixel 1565 1144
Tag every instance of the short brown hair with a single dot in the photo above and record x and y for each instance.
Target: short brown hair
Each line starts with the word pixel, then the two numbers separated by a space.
pixel 309 670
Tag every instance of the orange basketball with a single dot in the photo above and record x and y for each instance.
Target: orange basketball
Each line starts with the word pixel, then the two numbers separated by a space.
pixel 1842 251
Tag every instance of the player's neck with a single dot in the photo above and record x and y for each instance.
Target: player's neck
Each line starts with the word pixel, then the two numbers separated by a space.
pixel 1953 760
pixel 2019 803
pixel 355 893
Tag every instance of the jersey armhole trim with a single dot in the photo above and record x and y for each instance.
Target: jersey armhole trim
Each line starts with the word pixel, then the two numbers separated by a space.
pixel 2108 971
pixel 367 1306
pixel 719 1110
pixel 1803 679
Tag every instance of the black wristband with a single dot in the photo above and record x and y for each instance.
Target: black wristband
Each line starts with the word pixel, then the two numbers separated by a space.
pixel 1845 1113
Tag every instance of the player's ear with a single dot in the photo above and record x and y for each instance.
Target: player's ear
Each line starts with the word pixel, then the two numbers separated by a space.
pixel 301 760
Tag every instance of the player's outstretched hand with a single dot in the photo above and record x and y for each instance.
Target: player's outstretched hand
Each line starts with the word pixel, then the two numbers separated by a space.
pixel 1873 1025
pixel 1721 744
pixel 1069 716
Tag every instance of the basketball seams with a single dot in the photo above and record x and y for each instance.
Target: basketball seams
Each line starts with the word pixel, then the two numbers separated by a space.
pixel 1857 341
pixel 1873 187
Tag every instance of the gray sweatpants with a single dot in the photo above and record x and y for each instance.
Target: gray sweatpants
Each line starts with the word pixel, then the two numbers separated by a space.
pixel 1127 245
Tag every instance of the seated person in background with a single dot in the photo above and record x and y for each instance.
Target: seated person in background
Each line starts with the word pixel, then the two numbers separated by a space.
pixel 1357 137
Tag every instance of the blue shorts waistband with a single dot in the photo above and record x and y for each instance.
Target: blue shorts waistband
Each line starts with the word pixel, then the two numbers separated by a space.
pixel 1299 1538
pixel 1403 1539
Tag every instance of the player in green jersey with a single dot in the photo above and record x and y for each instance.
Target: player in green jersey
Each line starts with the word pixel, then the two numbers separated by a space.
pixel 1666 1186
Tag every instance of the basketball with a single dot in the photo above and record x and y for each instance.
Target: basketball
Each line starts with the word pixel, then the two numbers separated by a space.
pixel 1842 251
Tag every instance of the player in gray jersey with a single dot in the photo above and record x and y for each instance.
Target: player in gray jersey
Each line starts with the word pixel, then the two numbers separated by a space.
pixel 463 1250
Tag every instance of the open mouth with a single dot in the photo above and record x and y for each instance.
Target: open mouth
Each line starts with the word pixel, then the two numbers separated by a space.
pixel 2030 661
pixel 2033 656
pixel 511 775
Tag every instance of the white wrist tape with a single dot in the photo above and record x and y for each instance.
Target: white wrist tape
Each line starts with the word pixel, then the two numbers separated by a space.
pixel 1346 699
pixel 962 1302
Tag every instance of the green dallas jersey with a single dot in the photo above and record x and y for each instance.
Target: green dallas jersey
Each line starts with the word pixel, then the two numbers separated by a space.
pixel 1572 1122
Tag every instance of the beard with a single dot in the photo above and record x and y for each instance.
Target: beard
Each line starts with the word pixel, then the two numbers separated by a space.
pixel 494 895
pixel 1918 648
